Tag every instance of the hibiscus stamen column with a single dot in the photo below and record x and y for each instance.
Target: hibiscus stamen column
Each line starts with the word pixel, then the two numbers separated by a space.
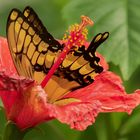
pixel 77 37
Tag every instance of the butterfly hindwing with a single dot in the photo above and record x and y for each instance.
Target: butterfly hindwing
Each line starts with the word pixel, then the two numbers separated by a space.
pixel 82 65
pixel 77 70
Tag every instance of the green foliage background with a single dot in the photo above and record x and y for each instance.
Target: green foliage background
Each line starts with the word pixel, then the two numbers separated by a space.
pixel 122 50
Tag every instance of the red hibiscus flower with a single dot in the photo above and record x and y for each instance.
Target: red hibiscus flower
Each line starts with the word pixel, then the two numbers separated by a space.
pixel 27 103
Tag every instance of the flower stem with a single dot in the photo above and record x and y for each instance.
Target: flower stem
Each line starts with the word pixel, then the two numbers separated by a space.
pixel 12 132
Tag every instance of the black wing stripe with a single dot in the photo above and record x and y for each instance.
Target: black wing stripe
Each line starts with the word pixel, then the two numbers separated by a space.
pixel 97 40
pixel 84 66
pixel 32 17
pixel 35 48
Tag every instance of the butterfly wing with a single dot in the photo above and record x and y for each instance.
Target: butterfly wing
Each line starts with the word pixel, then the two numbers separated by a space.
pixel 34 51
pixel 82 65
pixel 32 48
pixel 77 70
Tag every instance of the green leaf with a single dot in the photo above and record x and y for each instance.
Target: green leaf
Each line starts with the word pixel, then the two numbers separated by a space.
pixel 2 121
pixel 89 134
pixel 121 19
pixel 12 132
pixel 103 129
pixel 1 104
pixel 54 130
pixel 48 11
pixel 130 126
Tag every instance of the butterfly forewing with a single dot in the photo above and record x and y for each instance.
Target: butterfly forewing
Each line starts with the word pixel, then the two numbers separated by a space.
pixel 32 51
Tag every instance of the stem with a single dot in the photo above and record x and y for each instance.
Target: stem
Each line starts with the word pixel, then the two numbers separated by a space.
pixel 11 132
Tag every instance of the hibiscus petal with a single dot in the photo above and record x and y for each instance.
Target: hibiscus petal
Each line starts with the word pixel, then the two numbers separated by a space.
pixel 9 88
pixel 108 90
pixel 25 101
pixel 26 105
pixel 31 109
pixel 77 115
pixel 102 61
pixel 125 103
pixel 6 62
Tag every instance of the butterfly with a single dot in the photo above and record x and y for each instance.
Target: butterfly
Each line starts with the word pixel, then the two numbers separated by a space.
pixel 34 51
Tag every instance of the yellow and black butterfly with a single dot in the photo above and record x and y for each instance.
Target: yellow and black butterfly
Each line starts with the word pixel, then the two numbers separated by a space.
pixel 34 51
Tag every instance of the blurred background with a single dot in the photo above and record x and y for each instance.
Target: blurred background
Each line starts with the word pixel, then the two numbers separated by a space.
pixel 122 51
